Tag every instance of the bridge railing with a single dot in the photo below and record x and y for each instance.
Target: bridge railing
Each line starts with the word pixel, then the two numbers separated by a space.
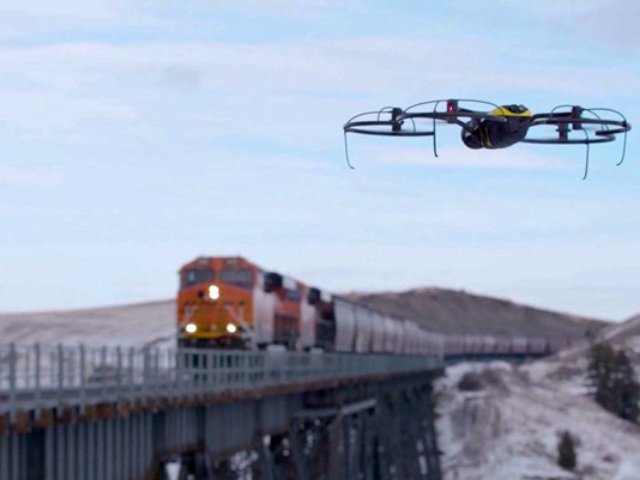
pixel 40 376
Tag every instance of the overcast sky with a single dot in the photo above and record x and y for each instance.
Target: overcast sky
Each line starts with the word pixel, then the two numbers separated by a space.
pixel 138 135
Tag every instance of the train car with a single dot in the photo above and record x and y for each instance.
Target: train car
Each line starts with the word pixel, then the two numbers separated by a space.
pixel 288 314
pixel 555 344
pixel 488 344
pixel 454 345
pixel 519 345
pixel 325 319
pixel 435 342
pixel 502 345
pixel 537 345
pixel 473 344
pixel 389 333
pixel 345 316
pixel 231 302
pixel 364 329
pixel 399 334
pixel 309 319
pixel 415 339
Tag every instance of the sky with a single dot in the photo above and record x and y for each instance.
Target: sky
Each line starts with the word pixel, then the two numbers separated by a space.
pixel 138 135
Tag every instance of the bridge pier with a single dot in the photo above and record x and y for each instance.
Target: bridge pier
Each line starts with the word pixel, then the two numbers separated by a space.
pixel 325 417
pixel 298 438
pixel 390 437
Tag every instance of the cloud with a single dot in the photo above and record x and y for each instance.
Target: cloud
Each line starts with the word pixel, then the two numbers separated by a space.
pixel 612 23
pixel 69 8
pixel 293 92
pixel 46 113
pixel 182 77
pixel 297 9
pixel 515 157
pixel 28 177
pixel 397 65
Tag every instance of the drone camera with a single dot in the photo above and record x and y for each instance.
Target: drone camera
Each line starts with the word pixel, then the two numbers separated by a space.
pixel 452 108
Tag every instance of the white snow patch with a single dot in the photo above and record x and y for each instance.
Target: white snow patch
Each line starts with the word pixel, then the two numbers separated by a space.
pixel 510 429
pixel 139 325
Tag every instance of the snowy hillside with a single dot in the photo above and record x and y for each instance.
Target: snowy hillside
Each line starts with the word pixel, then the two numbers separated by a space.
pixel 626 333
pixel 509 429
pixel 568 368
pixel 127 325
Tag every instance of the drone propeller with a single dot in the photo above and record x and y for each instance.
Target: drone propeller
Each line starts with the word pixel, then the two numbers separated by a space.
pixel 566 122
pixel 388 121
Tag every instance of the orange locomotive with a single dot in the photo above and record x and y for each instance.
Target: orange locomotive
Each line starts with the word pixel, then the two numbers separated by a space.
pixel 231 302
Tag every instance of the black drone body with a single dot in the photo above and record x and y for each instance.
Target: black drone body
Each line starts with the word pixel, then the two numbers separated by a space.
pixel 498 127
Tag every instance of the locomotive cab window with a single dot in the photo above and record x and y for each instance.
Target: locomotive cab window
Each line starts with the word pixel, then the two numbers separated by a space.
pixel 313 296
pixel 239 277
pixel 293 294
pixel 272 282
pixel 196 277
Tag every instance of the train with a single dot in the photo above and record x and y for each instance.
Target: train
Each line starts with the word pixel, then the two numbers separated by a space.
pixel 230 302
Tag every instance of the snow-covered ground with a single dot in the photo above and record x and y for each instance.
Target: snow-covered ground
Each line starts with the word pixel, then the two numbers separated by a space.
pixel 135 325
pixel 567 369
pixel 509 429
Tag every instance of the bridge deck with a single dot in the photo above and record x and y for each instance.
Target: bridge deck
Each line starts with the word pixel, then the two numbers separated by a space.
pixel 37 378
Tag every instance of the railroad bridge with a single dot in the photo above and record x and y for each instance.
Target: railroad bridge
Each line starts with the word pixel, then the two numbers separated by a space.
pixel 116 414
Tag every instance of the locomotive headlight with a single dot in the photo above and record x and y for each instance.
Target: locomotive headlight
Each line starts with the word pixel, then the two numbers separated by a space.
pixel 231 328
pixel 214 292
pixel 191 328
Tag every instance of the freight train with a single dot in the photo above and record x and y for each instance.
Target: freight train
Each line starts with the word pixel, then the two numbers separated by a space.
pixel 230 302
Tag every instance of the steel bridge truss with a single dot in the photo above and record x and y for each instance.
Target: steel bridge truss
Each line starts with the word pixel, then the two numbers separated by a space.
pixel 103 414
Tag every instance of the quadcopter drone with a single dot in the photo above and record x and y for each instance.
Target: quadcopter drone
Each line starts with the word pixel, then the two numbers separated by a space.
pixel 501 126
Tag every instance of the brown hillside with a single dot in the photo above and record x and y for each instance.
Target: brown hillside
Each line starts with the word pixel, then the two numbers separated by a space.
pixel 452 311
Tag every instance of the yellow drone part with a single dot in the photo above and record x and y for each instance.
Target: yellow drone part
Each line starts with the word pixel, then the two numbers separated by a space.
pixel 511 111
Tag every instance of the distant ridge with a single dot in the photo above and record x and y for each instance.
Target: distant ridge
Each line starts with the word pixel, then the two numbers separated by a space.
pixel 131 325
pixel 153 322
pixel 454 311
pixel 623 332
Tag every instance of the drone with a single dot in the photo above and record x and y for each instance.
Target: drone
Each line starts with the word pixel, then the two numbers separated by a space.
pixel 495 126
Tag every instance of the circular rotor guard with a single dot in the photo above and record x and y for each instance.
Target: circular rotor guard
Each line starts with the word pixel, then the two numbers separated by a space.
pixel 389 121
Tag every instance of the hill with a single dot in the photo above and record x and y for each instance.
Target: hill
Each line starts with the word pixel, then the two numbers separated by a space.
pixel 135 325
pixel 625 333
pixel 569 367
pixel 153 323
pixel 509 428
pixel 453 311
